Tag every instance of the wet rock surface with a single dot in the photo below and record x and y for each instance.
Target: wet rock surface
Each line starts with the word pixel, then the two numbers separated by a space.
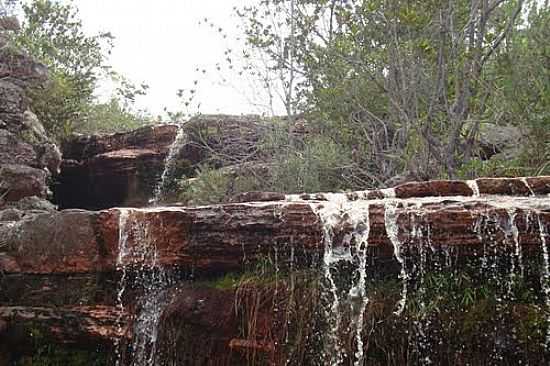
pixel 113 170
pixel 62 270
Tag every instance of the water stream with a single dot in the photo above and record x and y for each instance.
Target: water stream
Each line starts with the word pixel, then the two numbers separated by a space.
pixel 170 164
pixel 140 274
pixel 502 253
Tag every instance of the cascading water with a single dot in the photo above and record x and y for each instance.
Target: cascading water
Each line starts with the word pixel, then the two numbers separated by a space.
pixel 169 165
pixel 392 229
pixel 329 215
pixel 474 187
pixel 545 277
pixel 140 272
pixel 502 265
pixel 347 269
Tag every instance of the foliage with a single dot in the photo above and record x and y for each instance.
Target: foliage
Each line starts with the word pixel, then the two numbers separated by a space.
pixel 111 116
pixel 408 84
pixel 315 168
pixel 318 164
pixel 53 33
pixel 523 82
pixel 210 186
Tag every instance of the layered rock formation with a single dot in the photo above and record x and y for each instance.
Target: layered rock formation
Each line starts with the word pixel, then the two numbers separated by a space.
pixel 28 157
pixel 75 258
pixel 113 170
pixel 123 169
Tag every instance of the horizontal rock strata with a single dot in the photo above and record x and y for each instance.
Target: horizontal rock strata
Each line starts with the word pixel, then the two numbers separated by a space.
pixel 89 249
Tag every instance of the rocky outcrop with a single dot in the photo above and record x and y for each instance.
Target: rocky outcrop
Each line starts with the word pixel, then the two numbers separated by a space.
pixel 123 169
pixel 500 142
pixel 113 170
pixel 71 262
pixel 213 239
pixel 28 157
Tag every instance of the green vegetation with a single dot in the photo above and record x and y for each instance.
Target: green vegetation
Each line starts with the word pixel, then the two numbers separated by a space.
pixel 48 354
pixel 383 91
pixel 53 33
pixel 454 315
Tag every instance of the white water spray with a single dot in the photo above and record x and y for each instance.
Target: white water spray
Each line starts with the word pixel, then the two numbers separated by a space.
pixel 390 221
pixel 169 164
pixel 121 267
pixel 545 277
pixel 137 261
pixel 474 187
pixel 524 180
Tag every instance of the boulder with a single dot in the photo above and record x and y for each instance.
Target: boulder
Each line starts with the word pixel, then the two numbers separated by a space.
pixel 500 141
pixel 20 181
pixel 15 151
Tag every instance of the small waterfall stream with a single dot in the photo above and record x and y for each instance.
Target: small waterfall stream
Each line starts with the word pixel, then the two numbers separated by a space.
pixel 142 274
pixel 170 163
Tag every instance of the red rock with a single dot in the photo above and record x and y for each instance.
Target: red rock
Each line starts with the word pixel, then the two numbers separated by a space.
pixel 70 324
pixel 222 237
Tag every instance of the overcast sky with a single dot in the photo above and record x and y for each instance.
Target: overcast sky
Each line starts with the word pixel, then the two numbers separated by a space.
pixel 162 43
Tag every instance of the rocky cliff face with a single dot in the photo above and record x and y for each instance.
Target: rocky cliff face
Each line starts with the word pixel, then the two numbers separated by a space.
pixel 85 277
pixel 28 157
pixel 124 169
pixel 113 170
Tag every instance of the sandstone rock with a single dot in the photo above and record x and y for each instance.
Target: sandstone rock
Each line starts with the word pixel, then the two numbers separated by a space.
pixel 13 104
pixel 9 23
pixel 213 239
pixel 60 270
pixel 48 154
pixel 84 147
pixel 19 68
pixel 19 181
pixel 72 324
pixel 15 151
pixel 100 172
pixel 33 203
pixel 10 215
pixel 25 149
pixel 113 170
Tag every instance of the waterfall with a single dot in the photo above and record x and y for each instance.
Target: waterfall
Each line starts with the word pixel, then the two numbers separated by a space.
pixel 169 165
pixel 358 292
pixel 474 187
pixel 392 229
pixel 524 180
pixel 121 268
pixel 329 215
pixel 137 263
pixel 545 277
pixel 349 296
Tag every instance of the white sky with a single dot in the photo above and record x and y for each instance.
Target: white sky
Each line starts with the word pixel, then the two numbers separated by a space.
pixel 162 43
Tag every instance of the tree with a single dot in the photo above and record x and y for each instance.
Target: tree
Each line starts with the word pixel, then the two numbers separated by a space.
pixel 406 84
pixel 53 33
